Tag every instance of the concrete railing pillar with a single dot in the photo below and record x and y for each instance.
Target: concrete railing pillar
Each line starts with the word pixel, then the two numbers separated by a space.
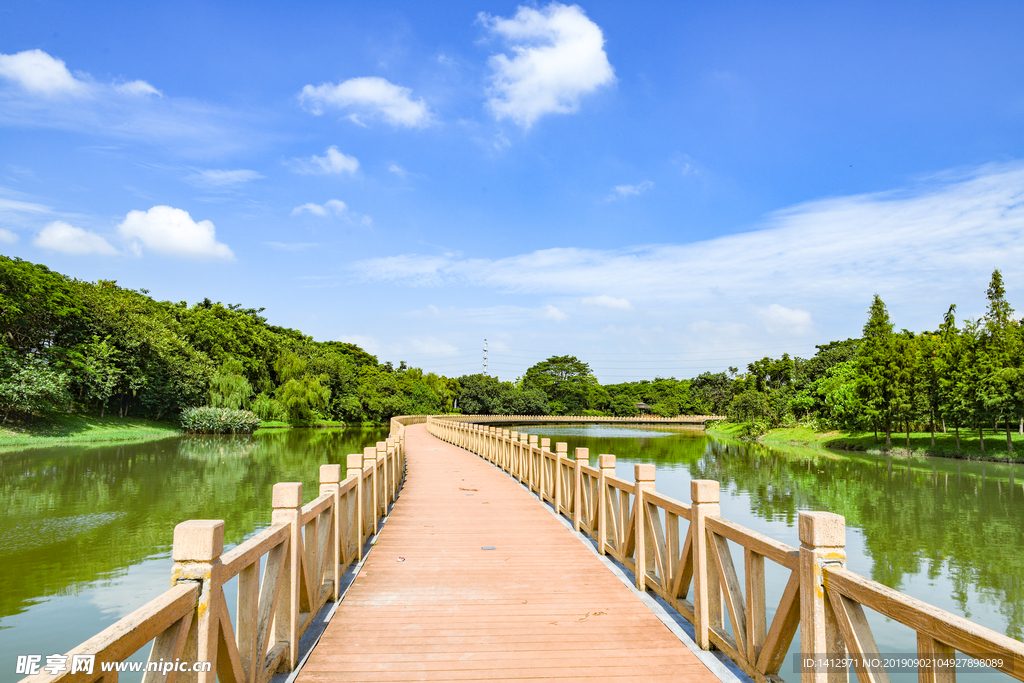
pixel 372 499
pixel 288 510
pixel 643 553
pixel 198 545
pixel 330 482
pixel 707 592
pixel 606 465
pixel 822 543
pixel 354 464
pixel 582 460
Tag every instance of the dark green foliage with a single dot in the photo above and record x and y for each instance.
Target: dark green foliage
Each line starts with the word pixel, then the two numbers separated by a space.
pixel 664 397
pixel 100 348
pixel 485 395
pixel 206 420
pixel 568 384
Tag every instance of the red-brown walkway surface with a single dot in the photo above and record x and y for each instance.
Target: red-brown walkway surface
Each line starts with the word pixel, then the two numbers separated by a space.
pixel 539 606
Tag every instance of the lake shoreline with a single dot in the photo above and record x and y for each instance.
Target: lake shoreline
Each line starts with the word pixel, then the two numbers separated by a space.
pixel 70 429
pixel 863 442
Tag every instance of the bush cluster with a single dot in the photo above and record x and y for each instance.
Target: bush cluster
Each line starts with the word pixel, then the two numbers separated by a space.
pixel 205 420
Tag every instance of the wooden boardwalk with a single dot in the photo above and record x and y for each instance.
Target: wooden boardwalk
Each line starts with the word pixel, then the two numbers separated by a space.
pixel 431 604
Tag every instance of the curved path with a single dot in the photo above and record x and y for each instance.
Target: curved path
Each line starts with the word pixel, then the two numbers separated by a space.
pixel 431 604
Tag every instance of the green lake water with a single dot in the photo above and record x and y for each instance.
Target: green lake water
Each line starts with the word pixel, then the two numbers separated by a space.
pixel 85 532
pixel 949 532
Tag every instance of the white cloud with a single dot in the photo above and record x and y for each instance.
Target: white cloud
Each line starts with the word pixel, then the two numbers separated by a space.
pixel 139 88
pixel 606 301
pixel 552 313
pixel 331 206
pixel 558 57
pixel 291 246
pixel 27 207
pixel 778 318
pixel 38 72
pixel 625 191
pixel 67 239
pixel 334 207
pixel 920 249
pixel 398 171
pixel 217 178
pixel 38 90
pixel 7 237
pixel 171 231
pixel 369 95
pixel 333 161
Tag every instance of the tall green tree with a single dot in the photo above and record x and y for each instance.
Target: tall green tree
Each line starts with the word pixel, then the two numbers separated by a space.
pixel 999 372
pixel 567 382
pixel 877 371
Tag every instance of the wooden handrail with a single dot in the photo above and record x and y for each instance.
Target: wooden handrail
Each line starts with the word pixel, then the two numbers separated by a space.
pixel 641 529
pixel 170 611
pixel 844 586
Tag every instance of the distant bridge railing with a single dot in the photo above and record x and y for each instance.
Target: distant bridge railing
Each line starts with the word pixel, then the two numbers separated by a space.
pixel 692 569
pixel 303 552
pixel 522 419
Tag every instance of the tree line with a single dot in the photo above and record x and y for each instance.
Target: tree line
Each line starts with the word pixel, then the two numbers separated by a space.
pixel 98 348
pixel 966 376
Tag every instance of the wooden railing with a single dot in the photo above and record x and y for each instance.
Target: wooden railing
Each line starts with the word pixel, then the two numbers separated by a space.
pixel 303 554
pixel 576 419
pixel 692 568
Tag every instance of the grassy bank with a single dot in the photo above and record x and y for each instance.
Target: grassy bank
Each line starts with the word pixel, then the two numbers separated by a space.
pixel 64 429
pixel 322 424
pixel 920 442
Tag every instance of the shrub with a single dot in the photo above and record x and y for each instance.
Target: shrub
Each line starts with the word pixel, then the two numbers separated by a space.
pixel 205 420
pixel 29 386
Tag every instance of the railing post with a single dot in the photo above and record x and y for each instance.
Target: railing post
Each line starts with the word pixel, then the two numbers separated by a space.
pixel 606 463
pixel 354 463
pixel 561 453
pixel 382 463
pixel 524 440
pixel 506 435
pixel 506 463
pixel 542 468
pixel 401 458
pixel 196 552
pixel 582 459
pixel 644 560
pixel 822 543
pixel 392 457
pixel 707 592
pixel 370 458
pixel 330 482
pixel 288 509
pixel 530 474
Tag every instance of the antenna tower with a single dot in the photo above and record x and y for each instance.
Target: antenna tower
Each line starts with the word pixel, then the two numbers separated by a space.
pixel 485 357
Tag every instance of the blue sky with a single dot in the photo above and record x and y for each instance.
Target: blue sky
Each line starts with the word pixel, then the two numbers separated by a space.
pixel 658 188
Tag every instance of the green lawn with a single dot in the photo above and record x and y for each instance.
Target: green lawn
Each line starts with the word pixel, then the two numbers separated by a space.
pixel 63 428
pixel 920 442
pixel 277 424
